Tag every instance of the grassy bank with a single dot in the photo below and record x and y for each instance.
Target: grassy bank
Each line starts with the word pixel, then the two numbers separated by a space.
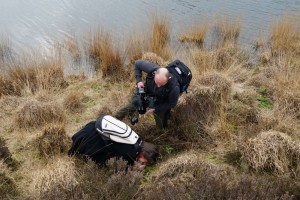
pixel 235 135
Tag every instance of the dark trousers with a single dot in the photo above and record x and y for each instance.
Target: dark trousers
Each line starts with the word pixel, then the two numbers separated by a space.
pixel 161 118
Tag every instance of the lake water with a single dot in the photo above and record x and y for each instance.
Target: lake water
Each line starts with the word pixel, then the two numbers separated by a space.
pixel 32 23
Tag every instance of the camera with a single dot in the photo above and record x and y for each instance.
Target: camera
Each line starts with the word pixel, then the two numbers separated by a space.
pixel 140 101
pixel 151 101
pixel 133 120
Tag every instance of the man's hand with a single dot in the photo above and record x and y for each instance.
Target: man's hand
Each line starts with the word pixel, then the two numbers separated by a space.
pixel 149 111
pixel 140 84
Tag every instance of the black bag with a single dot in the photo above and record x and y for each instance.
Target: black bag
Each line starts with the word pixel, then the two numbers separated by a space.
pixel 182 73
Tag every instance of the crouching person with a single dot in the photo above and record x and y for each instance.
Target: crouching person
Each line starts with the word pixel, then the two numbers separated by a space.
pixel 108 137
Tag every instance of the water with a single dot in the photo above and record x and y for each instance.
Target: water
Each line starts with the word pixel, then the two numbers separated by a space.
pixel 36 24
pixel 32 22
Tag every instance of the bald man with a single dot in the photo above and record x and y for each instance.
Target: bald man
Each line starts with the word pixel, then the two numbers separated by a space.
pixel 159 84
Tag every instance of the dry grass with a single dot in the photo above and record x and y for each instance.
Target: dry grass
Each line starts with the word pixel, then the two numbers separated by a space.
pixel 50 76
pixel 35 114
pixel 72 46
pixel 273 152
pixel 73 101
pixel 285 37
pixel 6 156
pixel 201 107
pixel 55 180
pixel 107 57
pixel 196 35
pixel 226 31
pixel 220 112
pixel 28 80
pixel 220 59
pixel 286 86
pixel 53 141
pixel 8 187
pixel 160 33
pixel 154 58
pixel 135 47
pixel 192 176
pixel 18 81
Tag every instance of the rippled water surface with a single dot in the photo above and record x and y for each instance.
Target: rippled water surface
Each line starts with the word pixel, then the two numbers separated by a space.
pixel 29 23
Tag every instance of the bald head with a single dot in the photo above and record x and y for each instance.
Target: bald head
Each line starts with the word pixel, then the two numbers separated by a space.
pixel 162 76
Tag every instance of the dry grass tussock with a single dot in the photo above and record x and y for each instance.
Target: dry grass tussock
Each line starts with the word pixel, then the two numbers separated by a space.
pixel 273 152
pixel 107 57
pixel 285 37
pixel 8 187
pixel 160 34
pixel 201 107
pixel 220 59
pixel 286 84
pixel 66 178
pixel 278 119
pixel 154 58
pixel 226 31
pixel 73 101
pixel 195 35
pixel 53 141
pixel 190 175
pixel 27 80
pixel 35 114
pixel 55 180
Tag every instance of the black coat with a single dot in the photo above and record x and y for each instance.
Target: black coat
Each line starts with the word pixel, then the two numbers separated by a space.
pixel 167 95
pixel 90 143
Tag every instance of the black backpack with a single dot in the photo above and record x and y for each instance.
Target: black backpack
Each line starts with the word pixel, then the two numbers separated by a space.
pixel 182 73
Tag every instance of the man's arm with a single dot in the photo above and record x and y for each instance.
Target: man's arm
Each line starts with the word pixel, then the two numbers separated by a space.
pixel 172 101
pixel 143 66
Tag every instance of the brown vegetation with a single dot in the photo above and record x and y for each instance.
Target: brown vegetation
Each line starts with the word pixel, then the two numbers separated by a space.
pixel 153 58
pixel 52 141
pixel 6 156
pixel 27 80
pixel 8 189
pixel 160 33
pixel 73 101
pixel 196 35
pixel 189 175
pixel 35 114
pixel 285 37
pixel 226 31
pixel 55 180
pixel 107 57
pixel 240 119
pixel 135 47
pixel 273 152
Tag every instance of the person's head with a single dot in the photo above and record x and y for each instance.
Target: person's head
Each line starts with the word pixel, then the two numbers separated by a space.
pixel 150 152
pixel 161 77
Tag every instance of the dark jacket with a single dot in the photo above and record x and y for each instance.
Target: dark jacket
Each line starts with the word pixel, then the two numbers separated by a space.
pixel 88 142
pixel 167 95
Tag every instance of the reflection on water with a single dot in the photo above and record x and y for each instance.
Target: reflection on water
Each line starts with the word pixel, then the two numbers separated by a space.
pixel 33 23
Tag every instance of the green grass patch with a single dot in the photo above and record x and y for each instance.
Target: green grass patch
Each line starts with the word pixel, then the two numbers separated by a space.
pixel 168 149
pixel 264 102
